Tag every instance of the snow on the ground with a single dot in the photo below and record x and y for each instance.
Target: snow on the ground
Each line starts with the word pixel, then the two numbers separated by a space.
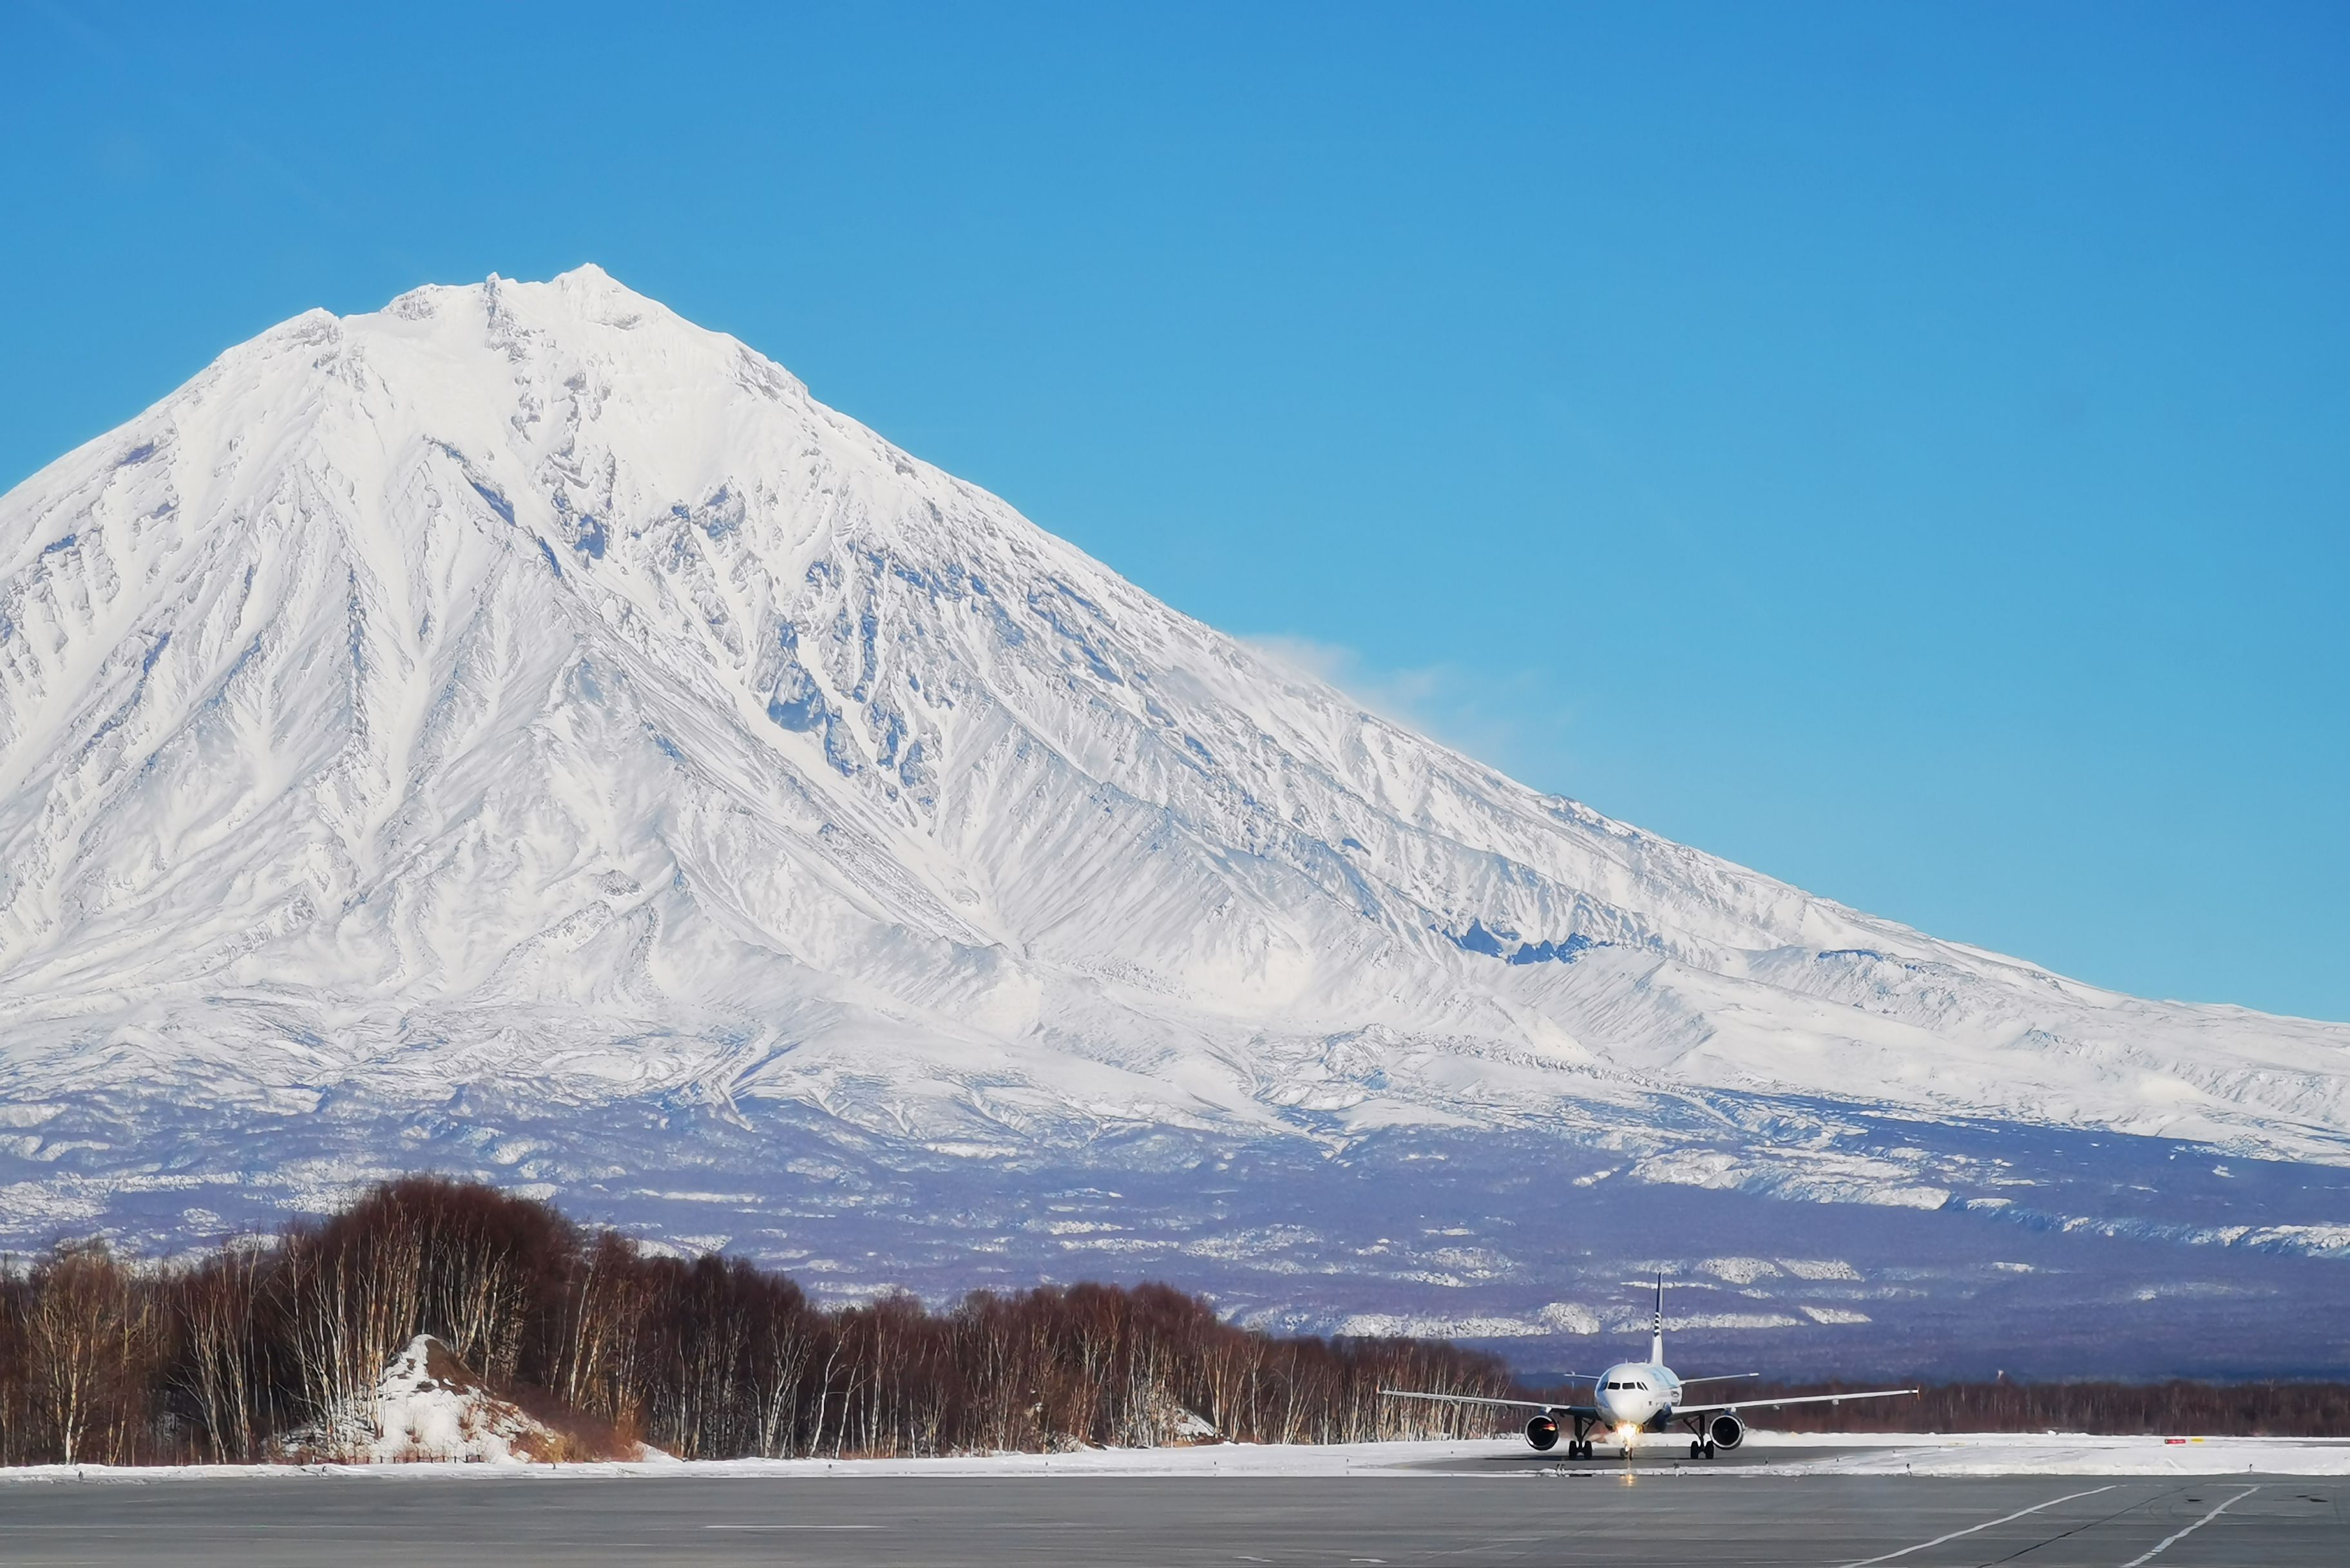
pixel 429 1406
pixel 1787 1454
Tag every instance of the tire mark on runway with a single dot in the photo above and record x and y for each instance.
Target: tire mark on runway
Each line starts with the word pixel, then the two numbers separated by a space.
pixel 2169 1540
pixel 2121 1513
pixel 1970 1529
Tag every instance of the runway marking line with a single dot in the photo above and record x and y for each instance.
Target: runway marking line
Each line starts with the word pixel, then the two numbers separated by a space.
pixel 795 1527
pixel 1970 1529
pixel 2166 1543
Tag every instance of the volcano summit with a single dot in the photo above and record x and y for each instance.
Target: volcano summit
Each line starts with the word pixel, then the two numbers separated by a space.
pixel 521 733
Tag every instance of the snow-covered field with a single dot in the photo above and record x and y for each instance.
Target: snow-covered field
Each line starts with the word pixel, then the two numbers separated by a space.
pixel 1789 1454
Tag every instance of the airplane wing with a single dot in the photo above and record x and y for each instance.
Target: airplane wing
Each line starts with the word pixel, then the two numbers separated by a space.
pixel 1798 1400
pixel 1719 1377
pixel 1506 1404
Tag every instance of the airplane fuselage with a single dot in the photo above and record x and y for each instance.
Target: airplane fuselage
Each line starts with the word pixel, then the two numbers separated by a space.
pixel 1637 1396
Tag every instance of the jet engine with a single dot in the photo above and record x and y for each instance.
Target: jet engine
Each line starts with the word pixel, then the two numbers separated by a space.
pixel 1726 1430
pixel 1543 1433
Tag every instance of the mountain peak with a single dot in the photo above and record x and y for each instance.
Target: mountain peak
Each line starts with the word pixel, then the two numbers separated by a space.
pixel 590 277
pixel 521 696
pixel 583 314
pixel 586 290
pixel 587 281
pixel 577 391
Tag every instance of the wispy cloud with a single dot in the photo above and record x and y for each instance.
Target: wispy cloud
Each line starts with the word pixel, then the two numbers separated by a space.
pixel 1508 719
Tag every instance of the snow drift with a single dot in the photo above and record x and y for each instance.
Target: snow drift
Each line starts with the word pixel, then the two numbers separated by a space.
pixel 428 1407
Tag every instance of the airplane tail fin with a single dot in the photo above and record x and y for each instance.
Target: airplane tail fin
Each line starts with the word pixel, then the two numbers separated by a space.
pixel 1656 1333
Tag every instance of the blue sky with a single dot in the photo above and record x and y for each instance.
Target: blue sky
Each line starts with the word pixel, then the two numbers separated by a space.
pixel 1903 448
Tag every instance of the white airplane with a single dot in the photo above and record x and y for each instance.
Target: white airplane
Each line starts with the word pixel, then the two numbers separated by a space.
pixel 1636 1397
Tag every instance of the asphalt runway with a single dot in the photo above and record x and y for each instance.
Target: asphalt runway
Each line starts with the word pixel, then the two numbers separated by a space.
pixel 1659 1454
pixel 1724 1521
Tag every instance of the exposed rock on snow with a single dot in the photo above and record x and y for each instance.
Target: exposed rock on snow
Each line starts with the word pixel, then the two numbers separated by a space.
pixel 1187 1425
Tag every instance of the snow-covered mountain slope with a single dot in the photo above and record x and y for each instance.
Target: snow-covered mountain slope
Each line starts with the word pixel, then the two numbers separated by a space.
pixel 523 682
pixel 521 694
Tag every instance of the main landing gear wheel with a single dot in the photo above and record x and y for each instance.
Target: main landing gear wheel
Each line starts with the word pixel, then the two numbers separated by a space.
pixel 1697 1450
pixel 1709 1447
pixel 1578 1449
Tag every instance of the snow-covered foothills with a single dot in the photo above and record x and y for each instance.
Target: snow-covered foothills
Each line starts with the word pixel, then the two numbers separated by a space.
pixel 1787 1455
pixel 521 733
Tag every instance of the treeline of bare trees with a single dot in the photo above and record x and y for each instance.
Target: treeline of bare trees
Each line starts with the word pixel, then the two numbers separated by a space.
pixel 274 1348
pixel 2106 1409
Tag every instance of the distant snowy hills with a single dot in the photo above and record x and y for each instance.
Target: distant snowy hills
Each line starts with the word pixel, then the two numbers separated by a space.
pixel 521 731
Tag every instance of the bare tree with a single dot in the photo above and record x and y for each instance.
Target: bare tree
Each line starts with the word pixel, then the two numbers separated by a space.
pixel 91 1340
pixel 219 1370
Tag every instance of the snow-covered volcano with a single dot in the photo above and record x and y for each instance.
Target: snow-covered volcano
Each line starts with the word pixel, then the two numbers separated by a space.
pixel 521 726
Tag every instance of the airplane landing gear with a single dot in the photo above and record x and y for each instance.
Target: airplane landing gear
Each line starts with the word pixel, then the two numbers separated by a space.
pixel 1701 1450
pixel 1580 1449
